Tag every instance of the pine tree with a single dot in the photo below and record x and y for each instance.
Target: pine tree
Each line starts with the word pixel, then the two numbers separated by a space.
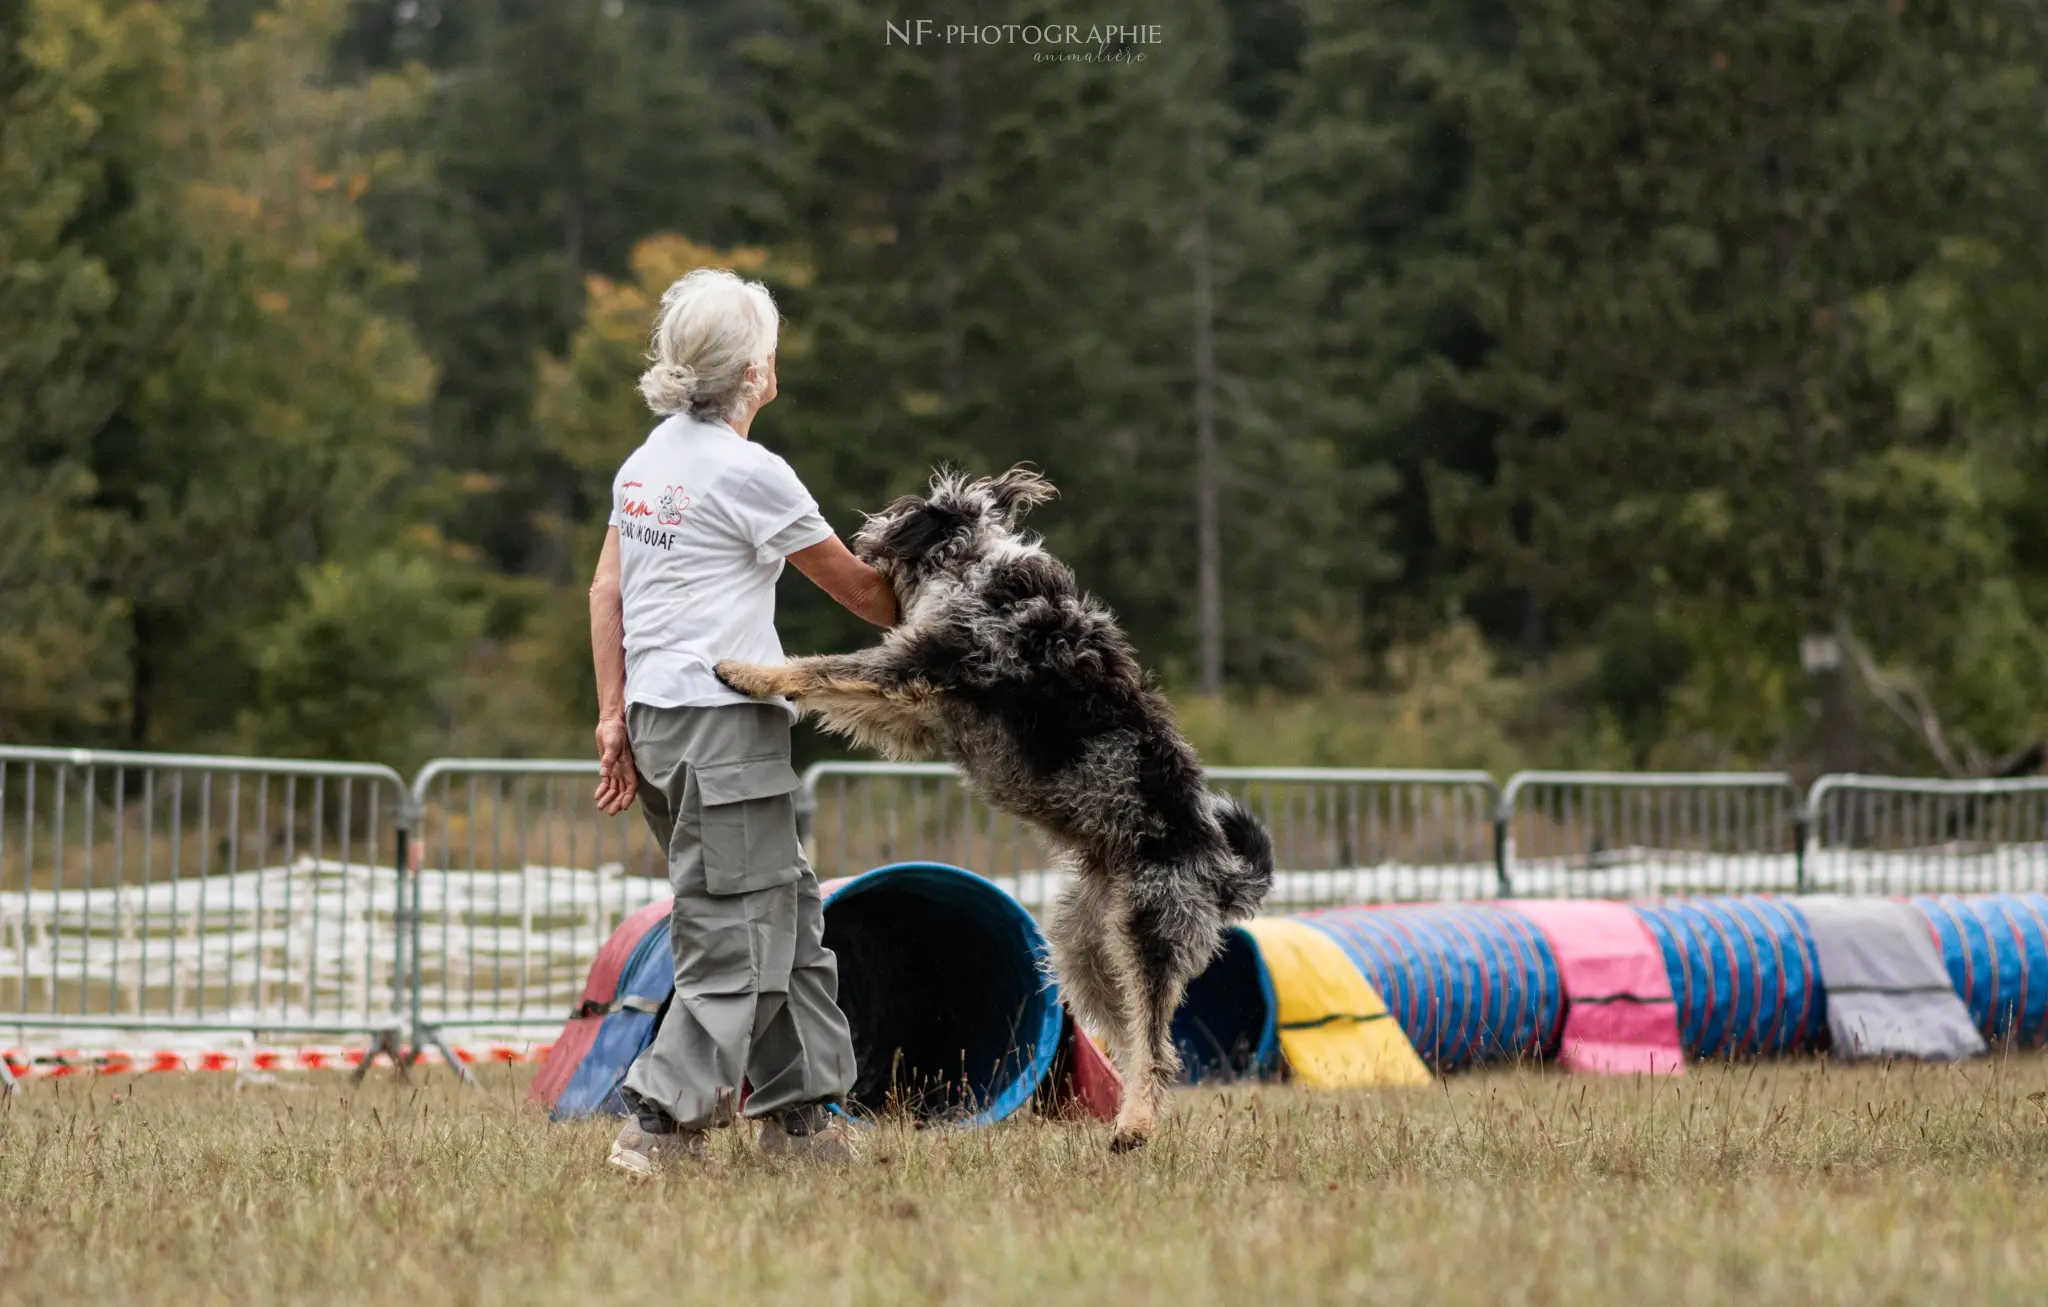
pixel 91 299
pixel 557 135
pixel 1016 260
pixel 204 395
pixel 1371 162
pixel 1693 206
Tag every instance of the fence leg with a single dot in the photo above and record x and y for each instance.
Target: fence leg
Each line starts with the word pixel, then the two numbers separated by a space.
pixel 1505 882
pixel 423 1036
pixel 387 1041
pixel 427 1037
pixel 1802 828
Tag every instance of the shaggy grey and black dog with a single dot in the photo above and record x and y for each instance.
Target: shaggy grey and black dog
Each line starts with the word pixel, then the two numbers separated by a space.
pixel 1004 665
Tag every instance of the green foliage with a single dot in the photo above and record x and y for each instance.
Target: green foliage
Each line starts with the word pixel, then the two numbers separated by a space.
pixel 1695 218
pixel 356 666
pixel 552 138
pixel 83 312
pixel 1568 360
pixel 62 638
pixel 1443 704
pixel 203 395
pixel 1003 271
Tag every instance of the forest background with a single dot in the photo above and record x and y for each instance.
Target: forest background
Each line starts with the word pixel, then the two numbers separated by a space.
pixel 1430 382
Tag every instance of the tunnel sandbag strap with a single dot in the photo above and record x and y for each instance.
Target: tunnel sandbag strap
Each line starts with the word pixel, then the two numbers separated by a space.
pixel 1335 1031
pixel 589 1008
pixel 1619 1015
pixel 1889 993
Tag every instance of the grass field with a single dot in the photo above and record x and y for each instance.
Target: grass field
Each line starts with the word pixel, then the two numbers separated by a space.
pixel 1790 1182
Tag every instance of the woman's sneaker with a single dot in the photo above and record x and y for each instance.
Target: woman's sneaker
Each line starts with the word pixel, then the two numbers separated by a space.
pixel 832 1142
pixel 645 1154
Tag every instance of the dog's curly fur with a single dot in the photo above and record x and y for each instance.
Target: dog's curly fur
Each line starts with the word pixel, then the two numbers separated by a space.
pixel 1003 664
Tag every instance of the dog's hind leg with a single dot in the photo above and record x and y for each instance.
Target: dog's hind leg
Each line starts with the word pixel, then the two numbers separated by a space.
pixel 1135 1050
pixel 1159 994
pixel 1097 967
pixel 1170 931
pixel 1081 957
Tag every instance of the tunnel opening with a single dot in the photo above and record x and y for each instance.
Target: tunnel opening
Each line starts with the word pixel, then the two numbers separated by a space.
pixel 1226 1027
pixel 942 980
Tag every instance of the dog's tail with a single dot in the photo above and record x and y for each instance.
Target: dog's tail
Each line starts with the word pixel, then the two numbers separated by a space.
pixel 1243 887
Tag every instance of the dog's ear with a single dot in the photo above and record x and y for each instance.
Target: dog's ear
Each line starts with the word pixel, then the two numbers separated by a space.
pixel 1015 491
pixel 922 532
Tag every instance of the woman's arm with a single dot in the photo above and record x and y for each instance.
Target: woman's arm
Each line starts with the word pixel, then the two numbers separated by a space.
pixel 859 588
pixel 617 780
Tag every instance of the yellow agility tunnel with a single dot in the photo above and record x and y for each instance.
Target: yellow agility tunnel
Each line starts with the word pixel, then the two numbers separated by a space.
pixel 1283 989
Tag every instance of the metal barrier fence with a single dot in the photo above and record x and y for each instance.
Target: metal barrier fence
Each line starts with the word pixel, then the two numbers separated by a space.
pixel 1644 835
pixel 1889 835
pixel 180 893
pixel 170 892
pixel 520 879
pixel 1339 835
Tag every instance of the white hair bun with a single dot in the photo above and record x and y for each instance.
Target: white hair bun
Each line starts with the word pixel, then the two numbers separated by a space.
pixel 669 387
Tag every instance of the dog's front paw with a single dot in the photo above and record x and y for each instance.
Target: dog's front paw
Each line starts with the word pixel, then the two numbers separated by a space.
pixel 746 678
pixel 1127 1140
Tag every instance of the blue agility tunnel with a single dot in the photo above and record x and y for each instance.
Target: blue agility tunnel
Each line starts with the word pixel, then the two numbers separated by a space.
pixel 942 977
pixel 646 983
pixel 1468 983
pixel 1996 949
pixel 1744 976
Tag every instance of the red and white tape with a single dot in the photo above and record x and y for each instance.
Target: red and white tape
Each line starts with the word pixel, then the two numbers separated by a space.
pixel 54 1063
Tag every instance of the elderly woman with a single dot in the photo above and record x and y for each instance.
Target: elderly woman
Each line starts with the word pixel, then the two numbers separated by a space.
pixel 701 521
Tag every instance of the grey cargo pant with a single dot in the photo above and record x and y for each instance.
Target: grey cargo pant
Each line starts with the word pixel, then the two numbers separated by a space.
pixel 756 988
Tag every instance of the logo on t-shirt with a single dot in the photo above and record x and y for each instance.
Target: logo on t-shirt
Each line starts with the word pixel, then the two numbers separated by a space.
pixel 673 502
pixel 667 511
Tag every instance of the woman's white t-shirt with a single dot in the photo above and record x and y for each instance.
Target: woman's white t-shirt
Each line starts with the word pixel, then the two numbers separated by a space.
pixel 705 518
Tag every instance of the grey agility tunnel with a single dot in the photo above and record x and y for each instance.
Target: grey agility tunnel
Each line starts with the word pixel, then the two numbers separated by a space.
pixel 942 977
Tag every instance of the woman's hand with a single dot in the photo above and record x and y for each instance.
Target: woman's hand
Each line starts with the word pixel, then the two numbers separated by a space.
pixel 617 779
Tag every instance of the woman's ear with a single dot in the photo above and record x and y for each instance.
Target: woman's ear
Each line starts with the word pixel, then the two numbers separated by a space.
pixel 1015 491
pixel 761 377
